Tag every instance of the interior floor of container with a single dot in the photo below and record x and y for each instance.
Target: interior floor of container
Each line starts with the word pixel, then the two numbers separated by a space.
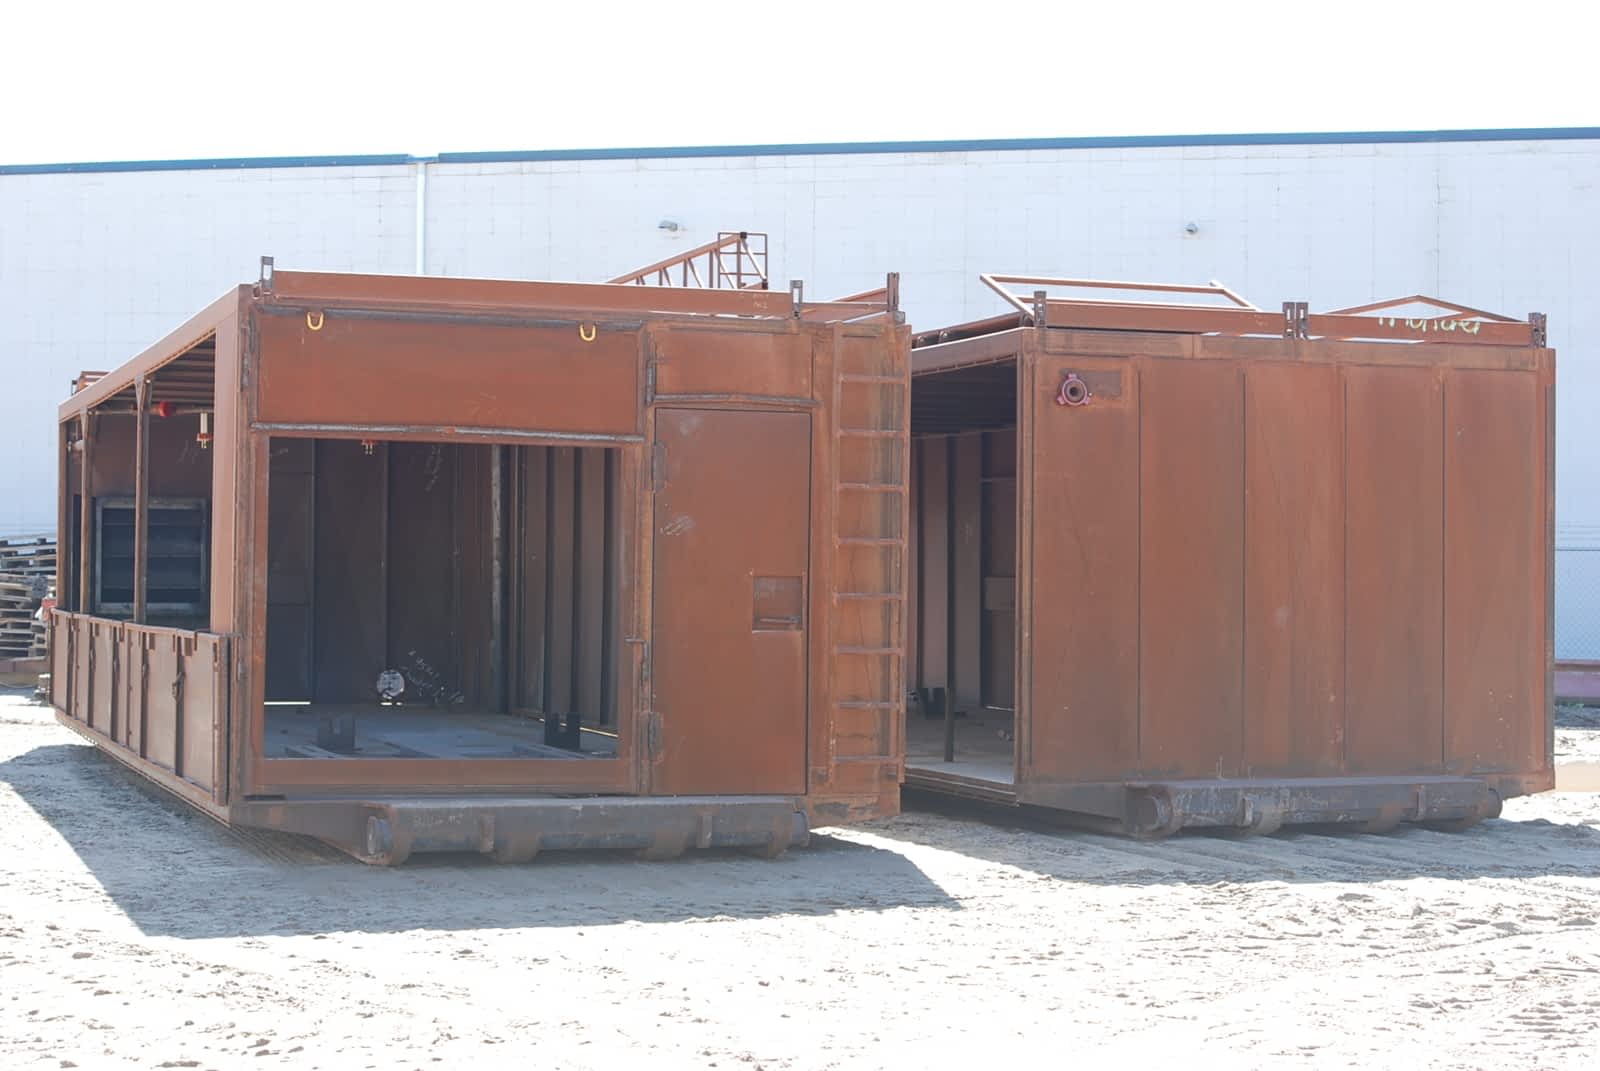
pixel 421 733
pixel 985 750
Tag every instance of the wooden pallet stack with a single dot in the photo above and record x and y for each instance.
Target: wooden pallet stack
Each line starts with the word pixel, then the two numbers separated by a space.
pixel 27 577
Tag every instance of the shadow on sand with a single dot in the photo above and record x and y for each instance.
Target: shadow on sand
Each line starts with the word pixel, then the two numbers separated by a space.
pixel 178 873
pixel 1042 842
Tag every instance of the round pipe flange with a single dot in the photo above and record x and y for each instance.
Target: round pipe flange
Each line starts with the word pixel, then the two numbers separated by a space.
pixel 1074 391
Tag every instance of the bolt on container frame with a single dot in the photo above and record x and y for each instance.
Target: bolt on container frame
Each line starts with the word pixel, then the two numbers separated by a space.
pixel 636 556
pixel 1185 562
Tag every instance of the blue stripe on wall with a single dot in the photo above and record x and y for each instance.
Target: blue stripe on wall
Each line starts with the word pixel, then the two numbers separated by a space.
pixel 1368 137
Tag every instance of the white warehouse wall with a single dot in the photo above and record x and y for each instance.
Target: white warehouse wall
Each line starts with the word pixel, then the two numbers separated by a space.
pixel 97 263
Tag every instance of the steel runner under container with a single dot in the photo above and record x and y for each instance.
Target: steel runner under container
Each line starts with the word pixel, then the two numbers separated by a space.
pixel 1179 561
pixel 423 564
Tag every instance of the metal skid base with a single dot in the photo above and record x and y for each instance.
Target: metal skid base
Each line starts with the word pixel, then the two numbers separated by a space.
pixel 1151 810
pixel 514 830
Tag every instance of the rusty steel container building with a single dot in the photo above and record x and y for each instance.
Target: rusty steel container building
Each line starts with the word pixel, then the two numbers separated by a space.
pixel 1179 561
pixel 420 564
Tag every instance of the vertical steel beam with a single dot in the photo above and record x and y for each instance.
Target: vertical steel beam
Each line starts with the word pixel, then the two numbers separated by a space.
pixel 141 501
pixel 497 578
pixel 950 445
pixel 64 448
pixel 85 513
pixel 516 689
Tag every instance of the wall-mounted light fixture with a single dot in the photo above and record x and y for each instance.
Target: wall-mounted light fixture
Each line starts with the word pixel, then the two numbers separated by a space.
pixel 669 225
pixel 1191 228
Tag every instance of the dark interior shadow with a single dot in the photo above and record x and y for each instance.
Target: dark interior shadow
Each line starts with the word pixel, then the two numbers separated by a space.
pixel 1043 842
pixel 178 873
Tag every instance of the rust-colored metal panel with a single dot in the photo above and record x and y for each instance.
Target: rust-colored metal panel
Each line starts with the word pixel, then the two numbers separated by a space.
pixel 913 558
pixel 1294 570
pixel 81 675
pixel 1083 465
pixel 102 695
pixel 227 433
pixel 130 655
pixel 707 362
pixel 537 378
pixel 731 696
pixel 163 700
pixel 60 626
pixel 204 692
pixel 612 597
pixel 1394 570
pixel 590 571
pixel 351 566
pixel 178 467
pixel 532 569
pixel 423 643
pixel 561 615
pixel 290 583
pixel 84 575
pixel 1494 554
pixel 933 556
pixel 474 610
pixel 999 524
pixel 1191 582
pixel 412 293
pixel 966 569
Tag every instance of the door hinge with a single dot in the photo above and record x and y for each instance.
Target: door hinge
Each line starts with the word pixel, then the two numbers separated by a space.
pixel 658 466
pixel 652 734
pixel 252 347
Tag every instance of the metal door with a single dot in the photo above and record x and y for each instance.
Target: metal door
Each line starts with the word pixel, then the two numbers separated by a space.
pixel 728 651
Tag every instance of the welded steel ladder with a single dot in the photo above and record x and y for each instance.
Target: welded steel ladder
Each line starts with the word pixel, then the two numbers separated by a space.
pixel 869 620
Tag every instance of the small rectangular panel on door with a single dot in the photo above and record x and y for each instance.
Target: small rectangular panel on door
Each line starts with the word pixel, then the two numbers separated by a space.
pixel 728 650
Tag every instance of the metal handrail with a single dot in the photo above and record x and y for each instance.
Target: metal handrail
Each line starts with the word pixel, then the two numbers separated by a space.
pixel 748 250
pixel 1375 321
pixel 1423 299
pixel 995 282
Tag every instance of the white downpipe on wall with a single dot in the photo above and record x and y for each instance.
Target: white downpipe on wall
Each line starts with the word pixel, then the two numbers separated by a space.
pixel 422 217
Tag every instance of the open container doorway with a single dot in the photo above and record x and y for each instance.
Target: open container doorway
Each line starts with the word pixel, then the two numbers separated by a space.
pixel 961 710
pixel 437 600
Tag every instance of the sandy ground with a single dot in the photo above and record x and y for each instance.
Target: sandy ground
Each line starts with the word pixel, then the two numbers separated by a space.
pixel 1578 748
pixel 134 932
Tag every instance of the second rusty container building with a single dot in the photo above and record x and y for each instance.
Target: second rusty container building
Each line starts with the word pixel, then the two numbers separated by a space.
pixel 1180 561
